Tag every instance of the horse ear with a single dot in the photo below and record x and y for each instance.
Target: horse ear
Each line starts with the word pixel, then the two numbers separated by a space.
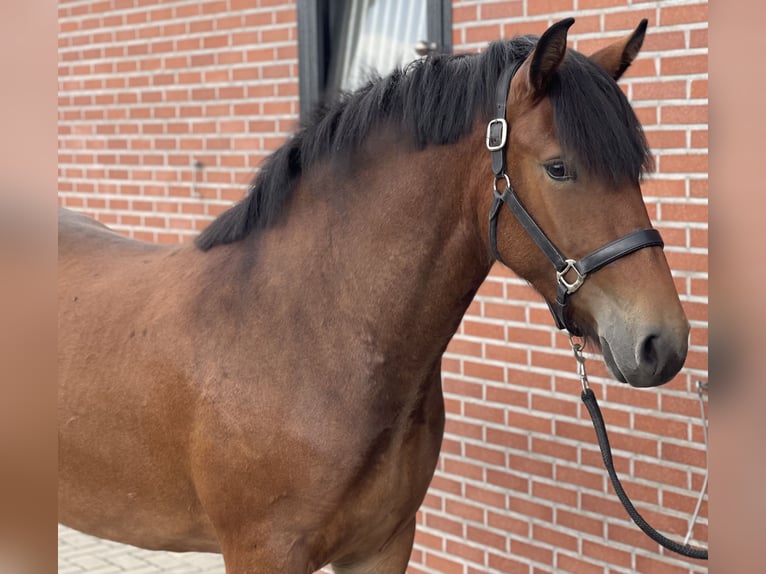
pixel 548 55
pixel 616 57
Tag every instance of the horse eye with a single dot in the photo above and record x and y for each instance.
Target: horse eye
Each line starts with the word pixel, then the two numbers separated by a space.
pixel 559 171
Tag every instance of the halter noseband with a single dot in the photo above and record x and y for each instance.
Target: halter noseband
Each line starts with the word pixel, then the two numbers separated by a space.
pixel 497 141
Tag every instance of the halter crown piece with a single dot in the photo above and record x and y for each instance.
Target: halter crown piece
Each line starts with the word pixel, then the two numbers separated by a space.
pixel 497 142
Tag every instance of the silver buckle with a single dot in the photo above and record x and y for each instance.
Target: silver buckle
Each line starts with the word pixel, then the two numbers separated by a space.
pixel 503 134
pixel 570 287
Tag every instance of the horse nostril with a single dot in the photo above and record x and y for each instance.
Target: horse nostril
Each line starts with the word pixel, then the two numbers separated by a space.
pixel 648 354
pixel 660 355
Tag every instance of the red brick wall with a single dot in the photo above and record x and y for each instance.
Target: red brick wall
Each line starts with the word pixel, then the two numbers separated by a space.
pixel 148 87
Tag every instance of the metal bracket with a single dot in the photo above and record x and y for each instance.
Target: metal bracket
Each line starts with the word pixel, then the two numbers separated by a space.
pixel 580 358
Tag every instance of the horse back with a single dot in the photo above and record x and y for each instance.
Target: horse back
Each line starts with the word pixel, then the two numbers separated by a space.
pixel 78 233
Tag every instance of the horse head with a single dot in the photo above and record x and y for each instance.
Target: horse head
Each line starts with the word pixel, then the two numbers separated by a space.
pixel 575 156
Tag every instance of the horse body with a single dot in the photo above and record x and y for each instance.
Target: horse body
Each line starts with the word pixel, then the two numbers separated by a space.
pixel 274 393
pixel 334 422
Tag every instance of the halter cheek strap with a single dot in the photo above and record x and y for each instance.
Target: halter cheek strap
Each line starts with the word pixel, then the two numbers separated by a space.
pixel 497 142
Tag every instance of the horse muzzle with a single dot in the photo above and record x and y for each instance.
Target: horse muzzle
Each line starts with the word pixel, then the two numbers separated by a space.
pixel 648 358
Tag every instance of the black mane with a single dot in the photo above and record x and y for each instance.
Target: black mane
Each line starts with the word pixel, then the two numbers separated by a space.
pixel 437 101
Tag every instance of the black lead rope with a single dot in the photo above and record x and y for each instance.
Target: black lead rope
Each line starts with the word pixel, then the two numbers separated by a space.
pixel 606 453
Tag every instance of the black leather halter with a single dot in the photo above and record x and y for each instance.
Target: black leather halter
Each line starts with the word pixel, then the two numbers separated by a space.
pixel 497 141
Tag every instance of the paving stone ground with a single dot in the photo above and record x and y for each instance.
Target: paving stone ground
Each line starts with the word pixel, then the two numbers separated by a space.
pixel 80 554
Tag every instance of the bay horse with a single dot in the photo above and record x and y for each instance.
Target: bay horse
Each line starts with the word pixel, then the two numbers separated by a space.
pixel 272 391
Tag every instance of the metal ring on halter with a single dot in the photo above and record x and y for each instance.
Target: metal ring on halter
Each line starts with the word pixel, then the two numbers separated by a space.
pixel 570 266
pixel 498 178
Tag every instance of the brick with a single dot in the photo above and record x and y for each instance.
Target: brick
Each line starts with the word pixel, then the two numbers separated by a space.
pixel 579 522
pixel 486 330
pixel 511 482
pixel 563 363
pixel 505 353
pixel 485 455
pixel 593 4
pixel 607 553
pixel 649 564
pixel 486 33
pixel 462 388
pixel 530 508
pixel 532 551
pixel 529 422
pixel 661 473
pixel 447 485
pixel 698 188
pixel 507 565
pixel 483 371
pixel 687 14
pixel 450 446
pixel 700 139
pixel 658 90
pixel 554 405
pixel 508 523
pixel 684 114
pixel 507 438
pixel 463 469
pixel 461 14
pixel 467 512
pixel 499 10
pixel 546 7
pixel 506 396
pixel 258 19
pixel 442 524
pixel 531 465
pixel 484 412
pixel 683 503
pixel 684 454
pixel 490 289
pixel 276 35
pixel 485 496
pixel 486 537
pixel 683 65
pixel 554 448
pixel 504 311
pixel 554 493
pixel 660 425
pixel 567 563
pixel 554 537
pixel 663 188
pixel 467 553
pixel 671 163
pixel 646 115
pixel 632 444
pixel 662 41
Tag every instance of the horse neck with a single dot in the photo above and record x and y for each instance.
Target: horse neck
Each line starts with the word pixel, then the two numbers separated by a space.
pixel 392 244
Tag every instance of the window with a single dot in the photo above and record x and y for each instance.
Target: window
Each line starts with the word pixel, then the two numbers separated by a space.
pixel 342 42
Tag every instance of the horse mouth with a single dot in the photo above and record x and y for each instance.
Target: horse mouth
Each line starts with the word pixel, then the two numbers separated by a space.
pixel 610 362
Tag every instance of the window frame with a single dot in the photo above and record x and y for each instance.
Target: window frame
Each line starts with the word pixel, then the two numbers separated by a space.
pixel 320 20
